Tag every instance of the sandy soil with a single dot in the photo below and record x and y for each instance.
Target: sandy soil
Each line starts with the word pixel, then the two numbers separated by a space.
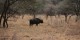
pixel 52 29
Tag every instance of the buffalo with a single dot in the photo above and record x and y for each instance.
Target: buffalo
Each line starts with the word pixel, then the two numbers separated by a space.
pixel 35 21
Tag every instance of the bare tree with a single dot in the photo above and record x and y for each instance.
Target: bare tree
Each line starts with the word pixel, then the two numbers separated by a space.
pixel 6 7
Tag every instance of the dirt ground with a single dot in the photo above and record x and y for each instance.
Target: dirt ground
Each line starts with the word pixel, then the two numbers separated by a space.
pixel 52 29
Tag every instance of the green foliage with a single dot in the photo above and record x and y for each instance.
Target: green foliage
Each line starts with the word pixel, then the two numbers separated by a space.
pixel 74 5
pixel 27 6
pixel 70 6
pixel 37 6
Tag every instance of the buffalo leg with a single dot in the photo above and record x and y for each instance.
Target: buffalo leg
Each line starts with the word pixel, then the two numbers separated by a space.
pixel 31 24
pixel 36 24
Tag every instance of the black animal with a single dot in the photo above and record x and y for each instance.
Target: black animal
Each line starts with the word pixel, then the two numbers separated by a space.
pixel 35 21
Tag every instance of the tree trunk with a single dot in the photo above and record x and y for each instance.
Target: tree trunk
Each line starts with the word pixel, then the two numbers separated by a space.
pixel 34 16
pixel 5 17
pixel 77 18
pixel 47 16
pixel 4 23
pixel 22 16
pixel 66 18
pixel 1 19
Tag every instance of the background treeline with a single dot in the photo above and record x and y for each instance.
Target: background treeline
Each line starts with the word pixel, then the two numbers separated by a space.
pixel 11 8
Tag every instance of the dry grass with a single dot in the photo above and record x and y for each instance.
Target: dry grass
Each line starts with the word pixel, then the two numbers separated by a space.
pixel 57 29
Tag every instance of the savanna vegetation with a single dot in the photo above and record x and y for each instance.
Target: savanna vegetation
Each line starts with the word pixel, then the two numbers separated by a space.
pixel 49 10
